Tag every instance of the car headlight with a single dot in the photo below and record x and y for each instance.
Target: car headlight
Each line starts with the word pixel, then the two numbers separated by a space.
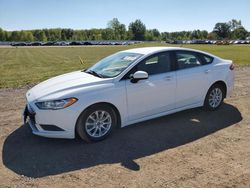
pixel 56 104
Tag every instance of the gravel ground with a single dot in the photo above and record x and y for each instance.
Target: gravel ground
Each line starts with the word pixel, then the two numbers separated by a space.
pixel 193 148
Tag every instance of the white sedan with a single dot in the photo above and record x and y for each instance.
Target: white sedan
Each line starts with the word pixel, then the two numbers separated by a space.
pixel 125 88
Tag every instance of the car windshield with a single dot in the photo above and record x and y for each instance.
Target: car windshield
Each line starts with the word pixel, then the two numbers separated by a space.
pixel 113 65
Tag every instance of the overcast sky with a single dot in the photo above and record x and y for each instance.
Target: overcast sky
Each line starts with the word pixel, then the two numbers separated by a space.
pixel 165 15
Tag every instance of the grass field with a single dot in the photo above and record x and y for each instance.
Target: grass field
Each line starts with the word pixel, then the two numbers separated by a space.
pixel 29 65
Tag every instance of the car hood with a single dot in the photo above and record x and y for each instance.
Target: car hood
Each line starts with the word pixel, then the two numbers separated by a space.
pixel 62 84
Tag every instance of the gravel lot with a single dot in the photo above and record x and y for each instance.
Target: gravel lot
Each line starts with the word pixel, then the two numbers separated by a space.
pixel 193 148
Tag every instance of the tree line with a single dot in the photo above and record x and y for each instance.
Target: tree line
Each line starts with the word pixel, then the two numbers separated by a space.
pixel 135 31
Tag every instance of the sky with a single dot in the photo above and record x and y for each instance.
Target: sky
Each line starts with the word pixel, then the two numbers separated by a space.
pixel 165 15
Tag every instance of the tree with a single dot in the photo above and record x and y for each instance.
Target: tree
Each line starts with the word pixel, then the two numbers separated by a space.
pixel 137 30
pixel 2 35
pixel 156 34
pixel 165 36
pixel 108 34
pixel 234 24
pixel 222 30
pixel 212 36
pixel 77 35
pixel 29 36
pixel 39 35
pixel 239 33
pixel 204 34
pixel 54 35
pixel 248 36
pixel 67 34
pixel 149 35
pixel 123 32
pixel 15 36
pixel 152 35
pixel 6 36
pixel 118 29
pixel 195 34
pixel 26 36
pixel 21 35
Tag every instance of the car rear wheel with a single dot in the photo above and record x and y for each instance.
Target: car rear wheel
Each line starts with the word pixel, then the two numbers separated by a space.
pixel 96 123
pixel 214 97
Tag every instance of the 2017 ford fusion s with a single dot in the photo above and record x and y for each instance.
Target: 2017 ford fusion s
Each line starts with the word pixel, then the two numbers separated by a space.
pixel 127 87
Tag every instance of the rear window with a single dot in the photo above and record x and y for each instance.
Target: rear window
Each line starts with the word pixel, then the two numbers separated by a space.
pixel 206 59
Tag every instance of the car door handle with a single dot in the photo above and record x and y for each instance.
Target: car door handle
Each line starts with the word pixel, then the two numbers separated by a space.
pixel 207 71
pixel 168 78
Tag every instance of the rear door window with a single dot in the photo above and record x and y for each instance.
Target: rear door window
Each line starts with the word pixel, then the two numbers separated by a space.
pixel 187 59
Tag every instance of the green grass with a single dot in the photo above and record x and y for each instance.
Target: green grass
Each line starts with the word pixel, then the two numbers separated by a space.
pixel 29 65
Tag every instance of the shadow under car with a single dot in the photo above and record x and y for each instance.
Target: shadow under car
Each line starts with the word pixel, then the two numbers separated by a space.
pixel 33 156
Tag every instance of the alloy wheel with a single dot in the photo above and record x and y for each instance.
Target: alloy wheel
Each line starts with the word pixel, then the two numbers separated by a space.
pixel 98 123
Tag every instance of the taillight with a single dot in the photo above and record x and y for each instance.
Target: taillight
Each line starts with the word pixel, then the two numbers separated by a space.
pixel 231 67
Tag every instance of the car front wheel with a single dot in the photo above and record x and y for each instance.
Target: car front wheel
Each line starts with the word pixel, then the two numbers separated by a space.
pixel 96 123
pixel 214 97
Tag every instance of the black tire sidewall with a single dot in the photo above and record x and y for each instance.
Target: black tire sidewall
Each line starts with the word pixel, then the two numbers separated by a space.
pixel 81 130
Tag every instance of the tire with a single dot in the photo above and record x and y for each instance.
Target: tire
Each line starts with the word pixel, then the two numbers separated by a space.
pixel 96 123
pixel 214 97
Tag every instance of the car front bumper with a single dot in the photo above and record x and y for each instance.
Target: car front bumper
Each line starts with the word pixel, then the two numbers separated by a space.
pixel 48 124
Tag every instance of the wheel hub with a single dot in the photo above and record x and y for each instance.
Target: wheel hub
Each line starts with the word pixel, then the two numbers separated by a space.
pixel 98 123
pixel 215 97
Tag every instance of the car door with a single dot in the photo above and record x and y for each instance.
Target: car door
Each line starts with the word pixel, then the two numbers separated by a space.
pixel 193 75
pixel 155 94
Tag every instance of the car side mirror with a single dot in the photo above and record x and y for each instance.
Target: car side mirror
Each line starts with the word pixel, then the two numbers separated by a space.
pixel 139 75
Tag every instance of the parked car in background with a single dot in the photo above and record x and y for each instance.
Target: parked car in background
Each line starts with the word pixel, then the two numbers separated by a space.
pixel 125 88
pixel 19 44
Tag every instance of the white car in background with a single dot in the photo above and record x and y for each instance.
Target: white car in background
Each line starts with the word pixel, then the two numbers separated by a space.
pixel 125 88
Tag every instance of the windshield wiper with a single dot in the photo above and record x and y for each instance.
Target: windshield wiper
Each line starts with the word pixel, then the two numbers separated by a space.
pixel 94 73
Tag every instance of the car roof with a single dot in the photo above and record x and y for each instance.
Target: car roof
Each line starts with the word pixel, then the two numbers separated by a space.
pixel 150 50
